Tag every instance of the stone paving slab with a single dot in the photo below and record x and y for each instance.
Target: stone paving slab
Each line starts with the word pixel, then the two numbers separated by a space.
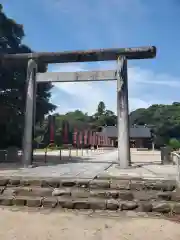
pixel 91 170
pixel 147 171
pixel 79 167
pixel 90 155
pixel 146 165
pixel 80 170
pixel 162 169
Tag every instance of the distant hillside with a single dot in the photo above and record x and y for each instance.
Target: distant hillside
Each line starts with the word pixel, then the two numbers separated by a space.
pixel 163 119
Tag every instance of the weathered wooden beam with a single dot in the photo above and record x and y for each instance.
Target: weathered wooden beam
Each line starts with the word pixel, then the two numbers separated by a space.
pixel 81 56
pixel 85 76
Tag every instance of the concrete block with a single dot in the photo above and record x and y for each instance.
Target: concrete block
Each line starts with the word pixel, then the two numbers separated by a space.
pixel 161 207
pixel 129 205
pixel 49 202
pixel 6 200
pixel 112 204
pixel 99 184
pixel 34 201
pixel 120 184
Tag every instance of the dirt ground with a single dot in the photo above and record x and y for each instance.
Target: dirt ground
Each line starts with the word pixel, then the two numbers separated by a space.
pixel 24 225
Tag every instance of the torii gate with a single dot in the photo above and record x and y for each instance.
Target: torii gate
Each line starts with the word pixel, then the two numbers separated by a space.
pixel 119 54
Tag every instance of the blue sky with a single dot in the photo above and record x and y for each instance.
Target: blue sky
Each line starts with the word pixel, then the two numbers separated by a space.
pixel 58 25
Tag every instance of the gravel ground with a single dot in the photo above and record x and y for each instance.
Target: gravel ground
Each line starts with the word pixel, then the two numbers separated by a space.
pixel 24 225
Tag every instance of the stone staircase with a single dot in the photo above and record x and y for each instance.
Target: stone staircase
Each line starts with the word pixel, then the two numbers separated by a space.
pixel 123 194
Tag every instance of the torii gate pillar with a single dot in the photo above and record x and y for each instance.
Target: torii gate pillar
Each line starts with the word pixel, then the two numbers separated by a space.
pixel 123 114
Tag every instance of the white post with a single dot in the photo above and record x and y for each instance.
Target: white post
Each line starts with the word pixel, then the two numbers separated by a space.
pixel 123 114
pixel 153 146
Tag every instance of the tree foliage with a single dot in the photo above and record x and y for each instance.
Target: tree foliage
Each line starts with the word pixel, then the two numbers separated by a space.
pixel 164 120
pixel 80 121
pixel 13 84
pixel 174 143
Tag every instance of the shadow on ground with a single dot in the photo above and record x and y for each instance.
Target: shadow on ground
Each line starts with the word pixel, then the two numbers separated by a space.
pixel 51 161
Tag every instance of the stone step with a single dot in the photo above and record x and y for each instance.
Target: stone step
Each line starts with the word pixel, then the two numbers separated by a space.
pixel 91 203
pixel 109 194
pixel 121 184
pixel 78 192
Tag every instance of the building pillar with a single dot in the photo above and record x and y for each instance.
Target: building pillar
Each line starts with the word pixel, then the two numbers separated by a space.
pixel 30 111
pixel 123 113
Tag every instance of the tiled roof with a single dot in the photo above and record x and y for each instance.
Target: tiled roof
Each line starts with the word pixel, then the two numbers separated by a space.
pixel 135 132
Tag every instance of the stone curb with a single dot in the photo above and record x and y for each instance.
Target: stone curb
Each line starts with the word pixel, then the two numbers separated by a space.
pixel 79 192
pixel 93 204
pixel 127 184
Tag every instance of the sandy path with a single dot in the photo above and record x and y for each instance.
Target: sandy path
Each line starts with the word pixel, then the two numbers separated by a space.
pixel 69 225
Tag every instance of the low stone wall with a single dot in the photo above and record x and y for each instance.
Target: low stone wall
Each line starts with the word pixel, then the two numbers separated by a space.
pixel 9 155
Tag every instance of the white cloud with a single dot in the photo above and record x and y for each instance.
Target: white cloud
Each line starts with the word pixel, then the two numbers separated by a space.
pixel 86 94
pixel 145 88
pixel 101 24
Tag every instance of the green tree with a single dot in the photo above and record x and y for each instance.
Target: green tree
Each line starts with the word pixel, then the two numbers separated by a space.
pixel 101 108
pixel 110 118
pixel 81 121
pixel 12 85
pixel 164 119
pixel 174 143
